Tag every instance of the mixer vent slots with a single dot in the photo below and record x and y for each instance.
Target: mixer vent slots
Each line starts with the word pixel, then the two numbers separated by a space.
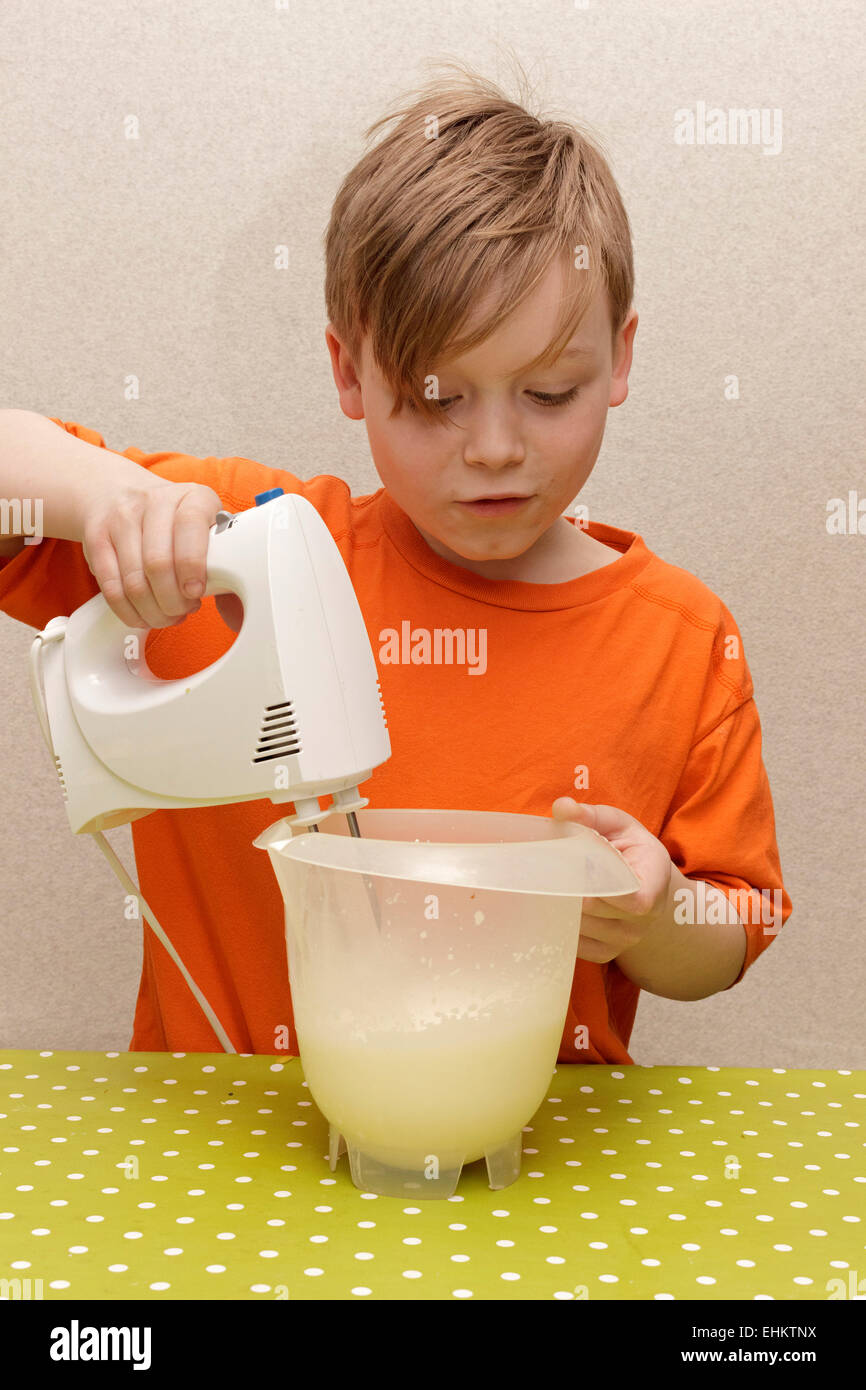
pixel 278 737
pixel 382 705
pixel 58 764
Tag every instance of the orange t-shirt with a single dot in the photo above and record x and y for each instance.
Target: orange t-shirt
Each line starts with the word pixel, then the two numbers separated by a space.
pixel 634 672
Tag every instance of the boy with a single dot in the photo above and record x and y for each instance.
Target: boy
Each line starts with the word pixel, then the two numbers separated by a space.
pixel 479 290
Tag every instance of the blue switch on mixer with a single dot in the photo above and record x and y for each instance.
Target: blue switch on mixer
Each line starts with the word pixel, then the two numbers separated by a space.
pixel 262 497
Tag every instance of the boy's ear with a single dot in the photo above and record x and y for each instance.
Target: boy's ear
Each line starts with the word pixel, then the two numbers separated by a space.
pixel 345 376
pixel 622 359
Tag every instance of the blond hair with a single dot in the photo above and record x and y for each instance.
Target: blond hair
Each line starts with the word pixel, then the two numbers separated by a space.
pixel 469 195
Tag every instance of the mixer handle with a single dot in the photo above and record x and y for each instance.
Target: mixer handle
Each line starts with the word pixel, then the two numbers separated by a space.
pixel 125 689
pixel 218 579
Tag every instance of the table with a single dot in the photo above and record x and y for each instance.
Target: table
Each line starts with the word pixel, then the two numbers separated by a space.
pixel 168 1176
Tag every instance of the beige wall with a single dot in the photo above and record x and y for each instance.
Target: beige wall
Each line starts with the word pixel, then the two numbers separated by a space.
pixel 154 258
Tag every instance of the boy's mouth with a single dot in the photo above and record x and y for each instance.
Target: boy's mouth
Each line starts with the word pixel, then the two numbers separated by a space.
pixel 491 506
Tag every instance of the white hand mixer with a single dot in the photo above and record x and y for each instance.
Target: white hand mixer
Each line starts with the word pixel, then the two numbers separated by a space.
pixel 292 711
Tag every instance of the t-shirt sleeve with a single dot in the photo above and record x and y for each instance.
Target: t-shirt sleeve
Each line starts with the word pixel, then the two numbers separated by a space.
pixel 720 826
pixel 53 578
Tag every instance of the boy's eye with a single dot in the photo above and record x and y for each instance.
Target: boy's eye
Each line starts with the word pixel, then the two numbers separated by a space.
pixel 544 399
pixel 541 397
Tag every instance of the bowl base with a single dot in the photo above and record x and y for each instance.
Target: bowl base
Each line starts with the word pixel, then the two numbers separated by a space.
pixel 432 1176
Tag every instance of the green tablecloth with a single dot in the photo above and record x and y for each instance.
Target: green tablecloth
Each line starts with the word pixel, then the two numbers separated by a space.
pixel 178 1176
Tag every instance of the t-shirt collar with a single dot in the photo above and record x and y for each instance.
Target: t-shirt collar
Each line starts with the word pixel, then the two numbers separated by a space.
pixel 513 593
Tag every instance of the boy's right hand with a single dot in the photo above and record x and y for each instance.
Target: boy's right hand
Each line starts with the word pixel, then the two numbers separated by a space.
pixel 145 544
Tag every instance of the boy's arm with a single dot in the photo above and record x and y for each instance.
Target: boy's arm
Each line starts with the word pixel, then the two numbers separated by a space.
pixel 55 475
pixel 727 900
pixel 682 957
pixel 41 462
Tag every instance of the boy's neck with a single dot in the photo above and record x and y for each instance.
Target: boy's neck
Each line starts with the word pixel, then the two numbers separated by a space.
pixel 576 554
pixel 568 553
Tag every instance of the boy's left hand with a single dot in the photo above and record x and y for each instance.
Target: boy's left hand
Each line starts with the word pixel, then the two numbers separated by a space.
pixel 609 926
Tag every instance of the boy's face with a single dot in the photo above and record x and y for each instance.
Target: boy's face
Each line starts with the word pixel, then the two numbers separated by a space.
pixel 508 441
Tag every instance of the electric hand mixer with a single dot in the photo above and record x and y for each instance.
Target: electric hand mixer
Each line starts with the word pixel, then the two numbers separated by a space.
pixel 298 686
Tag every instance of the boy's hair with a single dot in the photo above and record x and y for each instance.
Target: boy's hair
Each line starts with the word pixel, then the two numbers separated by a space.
pixel 480 201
